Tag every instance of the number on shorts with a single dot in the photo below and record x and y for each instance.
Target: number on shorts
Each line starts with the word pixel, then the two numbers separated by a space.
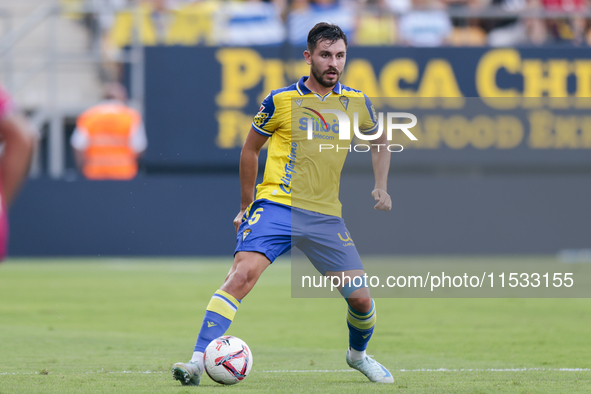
pixel 255 216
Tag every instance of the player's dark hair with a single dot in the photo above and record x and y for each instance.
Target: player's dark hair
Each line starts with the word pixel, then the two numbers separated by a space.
pixel 325 32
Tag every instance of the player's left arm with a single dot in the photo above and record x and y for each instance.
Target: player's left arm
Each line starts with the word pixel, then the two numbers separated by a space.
pixel 380 159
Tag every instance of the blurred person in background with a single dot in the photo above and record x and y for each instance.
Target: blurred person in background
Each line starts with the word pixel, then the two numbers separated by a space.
pixel 18 141
pixel 253 22
pixel 542 29
pixel 508 31
pixel 109 137
pixel 569 29
pixel 426 25
pixel 376 24
pixel 305 14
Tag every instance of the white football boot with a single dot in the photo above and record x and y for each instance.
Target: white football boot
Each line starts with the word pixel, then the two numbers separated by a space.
pixel 374 371
pixel 189 374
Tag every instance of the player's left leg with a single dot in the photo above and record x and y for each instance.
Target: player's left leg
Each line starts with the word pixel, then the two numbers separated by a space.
pixel 361 321
pixel 328 245
pixel 361 311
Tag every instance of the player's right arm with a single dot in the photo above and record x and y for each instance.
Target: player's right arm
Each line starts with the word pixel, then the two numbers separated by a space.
pixel 249 166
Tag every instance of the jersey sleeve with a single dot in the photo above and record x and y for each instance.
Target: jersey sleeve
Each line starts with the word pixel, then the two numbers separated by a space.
pixel 265 121
pixel 6 104
pixel 368 122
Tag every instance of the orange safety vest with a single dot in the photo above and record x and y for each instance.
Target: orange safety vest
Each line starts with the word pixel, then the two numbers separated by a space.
pixel 109 154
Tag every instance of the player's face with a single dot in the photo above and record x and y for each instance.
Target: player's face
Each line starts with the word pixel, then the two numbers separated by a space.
pixel 327 62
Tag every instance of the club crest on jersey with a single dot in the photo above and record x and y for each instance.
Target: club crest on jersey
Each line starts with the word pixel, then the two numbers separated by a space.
pixel 246 233
pixel 345 101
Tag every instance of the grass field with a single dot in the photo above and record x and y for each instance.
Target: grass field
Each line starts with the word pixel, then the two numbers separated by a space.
pixel 117 325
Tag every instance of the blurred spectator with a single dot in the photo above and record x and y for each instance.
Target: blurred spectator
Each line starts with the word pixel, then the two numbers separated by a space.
pixel 249 23
pixel 375 24
pixel 109 137
pixel 468 36
pixel 99 21
pixel 304 15
pixel 398 6
pixel 427 25
pixel 538 30
pixel 507 31
pixel 18 141
pixel 193 23
pixel 571 29
pixel 165 22
pixel 422 23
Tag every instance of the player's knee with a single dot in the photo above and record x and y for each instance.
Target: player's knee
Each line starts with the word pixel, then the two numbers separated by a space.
pixel 238 280
pixel 362 305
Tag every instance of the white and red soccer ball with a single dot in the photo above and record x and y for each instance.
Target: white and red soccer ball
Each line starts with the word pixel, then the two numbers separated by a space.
pixel 228 360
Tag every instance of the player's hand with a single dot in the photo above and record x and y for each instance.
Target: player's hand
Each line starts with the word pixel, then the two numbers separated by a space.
pixel 384 202
pixel 238 219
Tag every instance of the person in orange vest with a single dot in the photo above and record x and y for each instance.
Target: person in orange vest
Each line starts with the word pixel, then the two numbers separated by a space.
pixel 18 141
pixel 109 137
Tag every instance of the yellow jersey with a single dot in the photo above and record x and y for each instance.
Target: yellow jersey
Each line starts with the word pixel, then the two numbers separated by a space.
pixel 302 170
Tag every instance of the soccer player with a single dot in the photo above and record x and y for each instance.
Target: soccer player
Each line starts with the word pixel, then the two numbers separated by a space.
pixel 297 203
pixel 18 141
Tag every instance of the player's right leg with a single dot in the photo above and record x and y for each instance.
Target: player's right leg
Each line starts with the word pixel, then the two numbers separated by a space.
pixel 263 236
pixel 246 270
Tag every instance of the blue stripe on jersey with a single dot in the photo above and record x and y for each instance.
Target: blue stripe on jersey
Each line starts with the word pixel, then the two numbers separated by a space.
pixel 372 116
pixel 268 108
pixel 261 131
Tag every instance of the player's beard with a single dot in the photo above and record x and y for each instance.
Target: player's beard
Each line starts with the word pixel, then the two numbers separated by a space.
pixel 320 76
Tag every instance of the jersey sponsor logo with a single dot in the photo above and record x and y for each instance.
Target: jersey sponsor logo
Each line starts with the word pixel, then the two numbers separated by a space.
pixel 299 102
pixel 344 124
pixel 317 125
pixel 289 169
pixel 315 115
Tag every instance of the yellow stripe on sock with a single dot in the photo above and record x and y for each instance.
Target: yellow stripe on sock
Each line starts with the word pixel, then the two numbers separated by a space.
pixel 229 297
pixel 221 307
pixel 364 324
pixel 365 316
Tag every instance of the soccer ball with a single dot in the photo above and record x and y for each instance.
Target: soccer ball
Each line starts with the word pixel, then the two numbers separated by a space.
pixel 228 360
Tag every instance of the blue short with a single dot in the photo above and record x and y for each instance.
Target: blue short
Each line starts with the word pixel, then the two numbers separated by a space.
pixel 273 229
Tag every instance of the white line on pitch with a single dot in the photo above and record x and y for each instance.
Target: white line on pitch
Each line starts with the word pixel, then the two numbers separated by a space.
pixel 341 370
pixel 440 370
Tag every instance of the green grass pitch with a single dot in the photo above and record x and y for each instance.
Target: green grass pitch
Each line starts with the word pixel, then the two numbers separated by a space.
pixel 117 325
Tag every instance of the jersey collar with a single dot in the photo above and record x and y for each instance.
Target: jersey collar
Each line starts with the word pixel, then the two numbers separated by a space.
pixel 303 90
